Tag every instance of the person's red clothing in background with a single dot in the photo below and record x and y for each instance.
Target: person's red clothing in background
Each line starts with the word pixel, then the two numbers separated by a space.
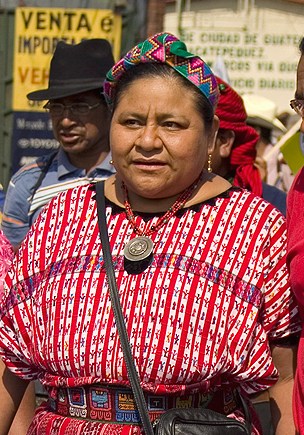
pixel 295 262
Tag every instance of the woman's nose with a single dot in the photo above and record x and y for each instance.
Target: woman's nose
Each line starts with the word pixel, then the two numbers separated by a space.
pixel 149 138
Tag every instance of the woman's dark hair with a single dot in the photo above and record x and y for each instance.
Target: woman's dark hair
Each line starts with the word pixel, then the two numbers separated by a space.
pixel 161 70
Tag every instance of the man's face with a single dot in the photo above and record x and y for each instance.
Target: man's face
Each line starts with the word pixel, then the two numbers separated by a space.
pixel 82 133
pixel 300 85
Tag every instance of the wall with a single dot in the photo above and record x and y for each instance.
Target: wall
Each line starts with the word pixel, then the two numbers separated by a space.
pixel 257 40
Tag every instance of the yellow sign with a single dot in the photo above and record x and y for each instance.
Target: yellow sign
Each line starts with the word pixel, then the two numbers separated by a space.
pixel 293 152
pixel 37 32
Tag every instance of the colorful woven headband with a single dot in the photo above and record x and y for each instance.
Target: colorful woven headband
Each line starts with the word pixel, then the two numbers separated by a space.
pixel 166 48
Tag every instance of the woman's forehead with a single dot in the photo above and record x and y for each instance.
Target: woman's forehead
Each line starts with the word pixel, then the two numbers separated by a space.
pixel 150 86
pixel 153 94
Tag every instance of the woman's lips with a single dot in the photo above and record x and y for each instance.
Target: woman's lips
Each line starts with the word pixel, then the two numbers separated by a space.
pixel 149 164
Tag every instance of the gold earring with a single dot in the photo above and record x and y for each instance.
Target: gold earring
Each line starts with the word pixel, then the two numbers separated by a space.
pixel 209 162
pixel 111 162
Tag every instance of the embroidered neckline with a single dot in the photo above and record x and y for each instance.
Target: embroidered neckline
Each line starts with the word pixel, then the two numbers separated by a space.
pixel 116 209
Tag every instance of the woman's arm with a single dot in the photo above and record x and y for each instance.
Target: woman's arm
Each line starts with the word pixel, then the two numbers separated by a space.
pixel 281 393
pixel 25 412
pixel 12 389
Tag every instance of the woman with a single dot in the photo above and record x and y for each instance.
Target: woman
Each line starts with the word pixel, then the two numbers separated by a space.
pixel 200 315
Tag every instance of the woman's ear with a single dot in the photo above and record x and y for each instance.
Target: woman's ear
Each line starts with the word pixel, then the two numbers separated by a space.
pixel 225 140
pixel 213 134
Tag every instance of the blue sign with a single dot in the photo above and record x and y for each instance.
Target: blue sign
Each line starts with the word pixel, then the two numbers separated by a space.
pixel 32 138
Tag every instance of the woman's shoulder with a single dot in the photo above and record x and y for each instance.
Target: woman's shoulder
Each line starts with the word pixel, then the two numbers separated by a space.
pixel 245 208
pixel 258 203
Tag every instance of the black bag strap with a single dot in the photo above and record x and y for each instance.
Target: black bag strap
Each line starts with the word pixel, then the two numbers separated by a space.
pixel 118 314
pixel 43 172
pixel 247 414
pixel 121 326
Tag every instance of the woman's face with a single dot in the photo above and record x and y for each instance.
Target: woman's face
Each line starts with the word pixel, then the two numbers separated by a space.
pixel 158 139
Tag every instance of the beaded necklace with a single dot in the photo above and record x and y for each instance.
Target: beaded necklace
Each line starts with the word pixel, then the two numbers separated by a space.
pixel 138 252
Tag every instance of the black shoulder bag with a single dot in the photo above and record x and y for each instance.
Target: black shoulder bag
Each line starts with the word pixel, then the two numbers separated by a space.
pixel 176 421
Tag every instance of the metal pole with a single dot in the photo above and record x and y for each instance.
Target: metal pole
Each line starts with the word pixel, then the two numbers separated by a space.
pixel 155 16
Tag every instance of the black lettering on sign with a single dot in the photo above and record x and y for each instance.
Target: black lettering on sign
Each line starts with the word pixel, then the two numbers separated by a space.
pixel 45 45
pixel 265 66
pixel 84 23
pixel 288 67
pixel 233 38
pixel 69 16
pixel 106 24
pixel 282 39
pixel 248 52
pixel 237 66
pixel 55 20
pixel 26 20
pixel 198 50
pixel 187 37
pixel 276 84
pixel 242 83
pixel 35 103
pixel 67 20
pixel 41 21
pixel 251 39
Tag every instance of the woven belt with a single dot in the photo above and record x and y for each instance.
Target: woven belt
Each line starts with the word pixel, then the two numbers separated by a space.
pixel 117 405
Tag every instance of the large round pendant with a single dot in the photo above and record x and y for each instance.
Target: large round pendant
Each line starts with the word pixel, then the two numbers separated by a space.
pixel 138 249
pixel 138 254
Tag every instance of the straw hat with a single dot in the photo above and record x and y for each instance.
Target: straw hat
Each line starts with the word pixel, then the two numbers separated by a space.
pixel 262 112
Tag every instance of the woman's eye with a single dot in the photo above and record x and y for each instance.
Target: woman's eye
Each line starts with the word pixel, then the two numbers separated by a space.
pixel 172 125
pixel 132 123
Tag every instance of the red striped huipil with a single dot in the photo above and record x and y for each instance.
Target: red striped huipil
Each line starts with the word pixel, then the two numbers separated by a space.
pixel 199 318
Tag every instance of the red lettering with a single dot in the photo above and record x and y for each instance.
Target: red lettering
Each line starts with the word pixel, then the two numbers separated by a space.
pixel 35 76
pixel 23 75
pixel 44 76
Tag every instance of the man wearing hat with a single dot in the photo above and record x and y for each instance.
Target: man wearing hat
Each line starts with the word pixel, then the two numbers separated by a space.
pixel 262 116
pixel 80 119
